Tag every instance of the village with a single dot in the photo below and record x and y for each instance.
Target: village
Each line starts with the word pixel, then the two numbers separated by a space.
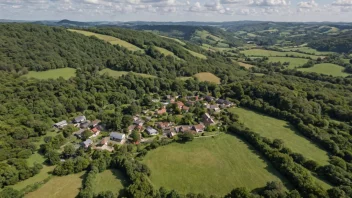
pixel 150 124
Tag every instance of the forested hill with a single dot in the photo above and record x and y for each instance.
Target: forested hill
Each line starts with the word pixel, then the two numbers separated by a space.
pixel 34 47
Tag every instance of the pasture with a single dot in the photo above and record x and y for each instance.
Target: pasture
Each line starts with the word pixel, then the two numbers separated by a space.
pixel 245 65
pixel 209 165
pixel 166 52
pixel 65 73
pixel 110 39
pixel 207 76
pixel 117 74
pixel 110 180
pixel 175 39
pixel 268 53
pixel 278 129
pixel 59 187
pixel 205 35
pixel 195 54
pixel 307 50
pixel 41 176
pixel 326 68
pixel 294 62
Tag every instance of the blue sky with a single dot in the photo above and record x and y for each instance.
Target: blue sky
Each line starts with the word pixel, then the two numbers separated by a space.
pixel 177 10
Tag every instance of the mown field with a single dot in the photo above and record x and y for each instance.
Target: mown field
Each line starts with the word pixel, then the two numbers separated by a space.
pixel 278 129
pixel 175 39
pixel 206 76
pixel 268 53
pixel 294 62
pixel 109 39
pixel 118 74
pixel 65 73
pixel 59 187
pixel 209 165
pixel 110 180
pixel 326 68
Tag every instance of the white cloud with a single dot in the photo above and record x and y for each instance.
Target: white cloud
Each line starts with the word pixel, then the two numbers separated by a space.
pixel 307 4
pixel 197 7
pixel 342 3
pixel 269 2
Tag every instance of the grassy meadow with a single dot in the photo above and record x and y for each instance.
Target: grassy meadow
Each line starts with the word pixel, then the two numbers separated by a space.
pixel 59 187
pixel 245 65
pixel 196 54
pixel 268 53
pixel 65 73
pixel 166 52
pixel 209 165
pixel 278 129
pixel 110 180
pixel 175 39
pixel 110 39
pixel 307 50
pixel 118 74
pixel 207 76
pixel 326 68
pixel 294 62
pixel 41 176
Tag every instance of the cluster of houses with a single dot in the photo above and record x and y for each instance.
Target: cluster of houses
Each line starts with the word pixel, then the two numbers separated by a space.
pixel 167 129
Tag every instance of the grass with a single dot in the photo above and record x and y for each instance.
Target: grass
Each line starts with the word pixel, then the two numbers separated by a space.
pixel 278 129
pixel 110 39
pixel 118 74
pixel 42 175
pixel 112 180
pixel 307 50
pixel 65 73
pixel 245 65
pixel 166 52
pixel 294 62
pixel 207 76
pixel 268 53
pixel 326 68
pixel 59 187
pixel 209 165
pixel 195 54
pixel 204 34
pixel 175 39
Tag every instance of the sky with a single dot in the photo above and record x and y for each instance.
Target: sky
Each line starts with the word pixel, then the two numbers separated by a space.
pixel 177 10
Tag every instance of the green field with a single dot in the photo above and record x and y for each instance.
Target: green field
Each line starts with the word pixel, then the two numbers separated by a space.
pixel 263 52
pixel 166 52
pixel 294 62
pixel 195 54
pixel 307 50
pixel 118 74
pixel 277 129
pixel 42 175
pixel 59 187
pixel 245 65
pixel 109 39
pixel 175 39
pixel 110 180
pixel 204 34
pixel 65 73
pixel 326 68
pixel 206 76
pixel 209 165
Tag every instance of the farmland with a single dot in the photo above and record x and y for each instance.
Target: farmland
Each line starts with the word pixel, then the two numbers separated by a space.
pixel 307 50
pixel 175 39
pixel 59 187
pixel 166 52
pixel 206 76
pixel 65 73
pixel 268 53
pixel 195 54
pixel 118 74
pixel 277 129
pixel 110 180
pixel 228 161
pixel 109 39
pixel 294 62
pixel 245 65
pixel 326 68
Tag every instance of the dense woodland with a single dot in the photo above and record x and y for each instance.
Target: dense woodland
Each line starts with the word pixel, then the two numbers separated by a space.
pixel 318 106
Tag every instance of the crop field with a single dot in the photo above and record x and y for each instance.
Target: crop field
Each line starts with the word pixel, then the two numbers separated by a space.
pixel 65 73
pixel 268 53
pixel 59 187
pixel 294 62
pixel 206 76
pixel 110 180
pixel 166 52
pixel 209 165
pixel 41 176
pixel 278 129
pixel 118 74
pixel 195 54
pixel 326 68
pixel 110 39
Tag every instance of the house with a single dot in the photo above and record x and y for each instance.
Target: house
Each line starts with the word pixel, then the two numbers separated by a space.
pixel 139 122
pixel 87 143
pixel 183 128
pixel 199 128
pixel 80 119
pixel 207 120
pixel 131 128
pixel 85 125
pixel 95 123
pixel 104 141
pixel 161 111
pixel 118 137
pixel 214 108
pixel 185 108
pixel 61 124
pixel 79 133
pixel 180 104
pixel 208 98
pixel 151 131
pixel 170 134
pixel 163 125
pixel 224 103
pixel 95 132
